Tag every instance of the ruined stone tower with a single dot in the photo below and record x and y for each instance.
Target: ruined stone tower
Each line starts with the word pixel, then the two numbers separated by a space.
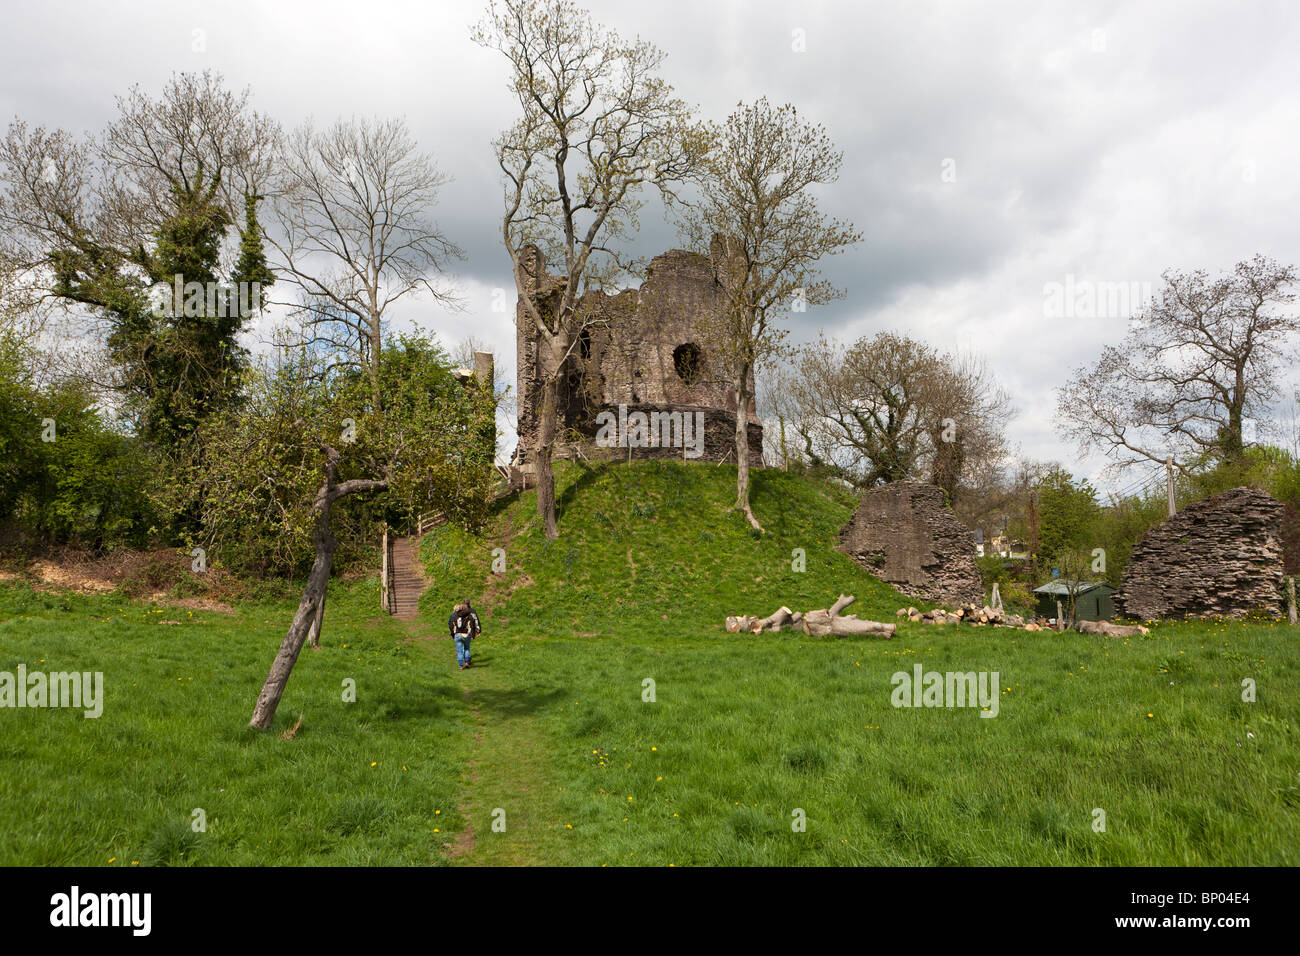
pixel 641 353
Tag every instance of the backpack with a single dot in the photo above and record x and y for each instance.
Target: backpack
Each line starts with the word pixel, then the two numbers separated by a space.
pixel 459 621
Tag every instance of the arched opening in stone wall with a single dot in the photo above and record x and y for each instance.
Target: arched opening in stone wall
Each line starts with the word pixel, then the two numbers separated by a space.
pixel 688 361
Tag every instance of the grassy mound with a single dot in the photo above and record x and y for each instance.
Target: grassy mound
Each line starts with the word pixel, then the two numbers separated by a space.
pixel 651 547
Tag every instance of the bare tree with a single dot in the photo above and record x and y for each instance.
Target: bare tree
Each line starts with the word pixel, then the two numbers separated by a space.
pixel 764 233
pixel 780 412
pixel 353 206
pixel 888 408
pixel 1202 358
pixel 596 126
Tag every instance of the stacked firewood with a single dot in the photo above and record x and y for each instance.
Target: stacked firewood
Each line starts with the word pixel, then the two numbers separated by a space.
pixel 968 613
pixel 818 623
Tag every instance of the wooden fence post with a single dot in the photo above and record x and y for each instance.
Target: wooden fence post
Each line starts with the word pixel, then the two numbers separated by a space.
pixel 1290 601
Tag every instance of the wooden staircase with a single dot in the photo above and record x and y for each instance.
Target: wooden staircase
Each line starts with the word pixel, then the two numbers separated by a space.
pixel 407 581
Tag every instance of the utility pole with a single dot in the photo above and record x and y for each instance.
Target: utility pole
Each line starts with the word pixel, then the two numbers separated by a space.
pixel 1169 471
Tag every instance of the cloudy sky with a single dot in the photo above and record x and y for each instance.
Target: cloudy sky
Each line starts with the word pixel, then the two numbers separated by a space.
pixel 990 149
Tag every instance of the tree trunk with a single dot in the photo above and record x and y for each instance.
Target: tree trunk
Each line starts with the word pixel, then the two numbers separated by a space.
pixel 313 635
pixel 742 448
pixel 542 458
pixel 311 609
pixel 311 605
pixel 851 626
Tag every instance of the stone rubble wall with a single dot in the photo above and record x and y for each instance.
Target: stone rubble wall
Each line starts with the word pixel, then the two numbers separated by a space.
pixel 1221 557
pixel 904 534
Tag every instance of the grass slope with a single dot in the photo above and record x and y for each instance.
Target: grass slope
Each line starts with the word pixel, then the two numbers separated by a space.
pixel 650 548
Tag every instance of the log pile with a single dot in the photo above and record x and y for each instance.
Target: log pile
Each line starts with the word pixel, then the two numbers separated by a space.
pixel 819 623
pixel 984 616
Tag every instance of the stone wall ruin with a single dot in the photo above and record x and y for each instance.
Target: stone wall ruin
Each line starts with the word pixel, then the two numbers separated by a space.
pixel 1221 557
pixel 904 534
pixel 640 353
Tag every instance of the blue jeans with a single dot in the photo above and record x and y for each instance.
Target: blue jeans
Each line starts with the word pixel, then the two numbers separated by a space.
pixel 462 648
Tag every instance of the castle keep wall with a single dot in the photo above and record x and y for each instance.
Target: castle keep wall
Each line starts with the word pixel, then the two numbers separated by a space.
pixel 642 354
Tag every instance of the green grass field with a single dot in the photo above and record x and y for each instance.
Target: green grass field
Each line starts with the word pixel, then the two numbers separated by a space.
pixel 549 736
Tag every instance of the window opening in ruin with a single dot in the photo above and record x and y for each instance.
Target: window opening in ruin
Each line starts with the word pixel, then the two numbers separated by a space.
pixel 688 362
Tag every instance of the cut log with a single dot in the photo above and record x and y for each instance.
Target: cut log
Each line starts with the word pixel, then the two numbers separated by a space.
pixel 773 622
pixel 843 601
pixel 817 623
pixel 1111 630
pixel 850 626
pixel 737 624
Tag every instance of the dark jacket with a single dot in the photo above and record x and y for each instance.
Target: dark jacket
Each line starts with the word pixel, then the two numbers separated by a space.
pixel 463 622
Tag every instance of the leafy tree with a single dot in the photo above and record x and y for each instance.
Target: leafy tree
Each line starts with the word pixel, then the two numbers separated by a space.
pixel 112 225
pixel 1068 511
pixel 281 469
pixel 65 473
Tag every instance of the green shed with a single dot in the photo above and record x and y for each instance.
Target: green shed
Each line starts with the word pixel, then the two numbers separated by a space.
pixel 1095 599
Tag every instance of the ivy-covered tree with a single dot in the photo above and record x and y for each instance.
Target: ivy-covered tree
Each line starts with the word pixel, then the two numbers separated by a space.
pixel 130 226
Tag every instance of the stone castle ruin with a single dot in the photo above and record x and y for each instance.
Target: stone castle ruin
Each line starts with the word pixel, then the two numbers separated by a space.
pixel 638 383
pixel 904 534
pixel 1221 557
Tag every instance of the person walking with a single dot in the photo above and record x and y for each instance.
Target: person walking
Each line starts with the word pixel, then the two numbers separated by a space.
pixel 464 627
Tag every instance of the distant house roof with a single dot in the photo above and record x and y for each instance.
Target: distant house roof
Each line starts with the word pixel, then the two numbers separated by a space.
pixel 1057 586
